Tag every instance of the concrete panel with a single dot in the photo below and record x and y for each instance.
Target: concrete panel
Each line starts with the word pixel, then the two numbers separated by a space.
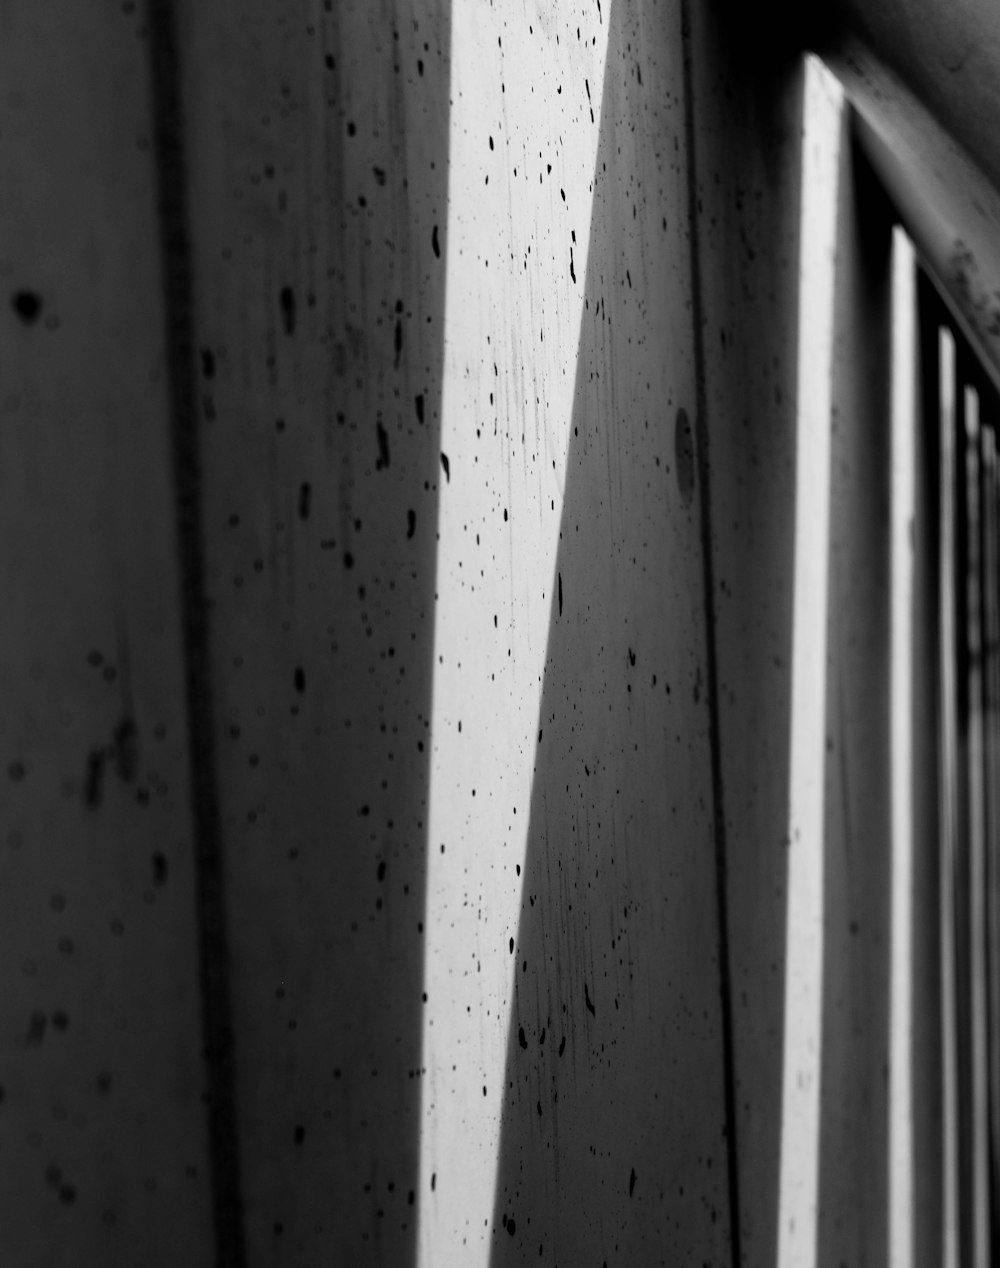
pixel 613 1145
pixel 563 1183
pixel 105 1155
pixel 317 146
pixel 747 125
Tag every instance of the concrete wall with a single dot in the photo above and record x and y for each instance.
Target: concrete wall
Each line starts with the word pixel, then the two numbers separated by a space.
pixel 399 509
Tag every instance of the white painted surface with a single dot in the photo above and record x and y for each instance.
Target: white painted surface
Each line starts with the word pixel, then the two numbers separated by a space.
pixel 800 1123
pixel 949 793
pixel 905 420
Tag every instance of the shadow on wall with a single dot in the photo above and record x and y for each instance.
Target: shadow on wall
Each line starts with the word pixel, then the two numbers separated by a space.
pixel 614 1140
pixel 747 119
pixel 319 161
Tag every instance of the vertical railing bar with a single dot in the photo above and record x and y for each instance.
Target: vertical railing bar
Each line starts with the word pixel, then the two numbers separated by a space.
pixel 976 793
pixel 946 562
pixel 991 776
pixel 902 512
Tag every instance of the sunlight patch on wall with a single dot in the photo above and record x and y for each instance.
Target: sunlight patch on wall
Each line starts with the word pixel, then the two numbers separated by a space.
pixel 522 153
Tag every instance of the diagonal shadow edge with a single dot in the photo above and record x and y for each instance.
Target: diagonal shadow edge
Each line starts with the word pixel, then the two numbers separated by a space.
pixel 721 886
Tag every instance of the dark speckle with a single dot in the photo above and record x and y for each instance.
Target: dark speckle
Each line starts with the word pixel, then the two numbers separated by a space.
pixel 560 594
pixel 126 749
pixel 300 1134
pixel 562 1045
pixel 684 456
pixel 447 467
pixel 159 868
pixel 305 500
pixel 398 342
pixel 587 1001
pixel 36 1029
pixel 287 298
pixel 208 363
pixel 521 1038
pixel 411 523
pixel 434 242
pixel 348 559
pixel 419 402
pixel 631 1182
pixel 17 771
pixel 27 305
pixel 300 679
pixel 383 447
pixel 93 778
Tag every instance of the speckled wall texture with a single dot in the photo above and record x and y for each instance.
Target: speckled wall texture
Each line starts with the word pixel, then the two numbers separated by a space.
pixel 397 467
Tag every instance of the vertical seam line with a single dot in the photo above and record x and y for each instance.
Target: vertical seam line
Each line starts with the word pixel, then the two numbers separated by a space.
pixel 213 948
pixel 708 584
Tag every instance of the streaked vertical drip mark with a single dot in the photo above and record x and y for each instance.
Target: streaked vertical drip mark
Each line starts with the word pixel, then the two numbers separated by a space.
pixel 948 826
pixel 178 300
pixel 800 1122
pixel 976 792
pixel 711 655
pixel 902 512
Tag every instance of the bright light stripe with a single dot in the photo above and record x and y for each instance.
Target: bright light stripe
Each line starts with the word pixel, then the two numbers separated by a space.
pixel 466 905
pixel 902 512
pixel 822 134
pixel 977 845
pixel 948 807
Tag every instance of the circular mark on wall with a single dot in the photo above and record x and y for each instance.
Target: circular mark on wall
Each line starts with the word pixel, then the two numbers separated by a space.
pixel 684 455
